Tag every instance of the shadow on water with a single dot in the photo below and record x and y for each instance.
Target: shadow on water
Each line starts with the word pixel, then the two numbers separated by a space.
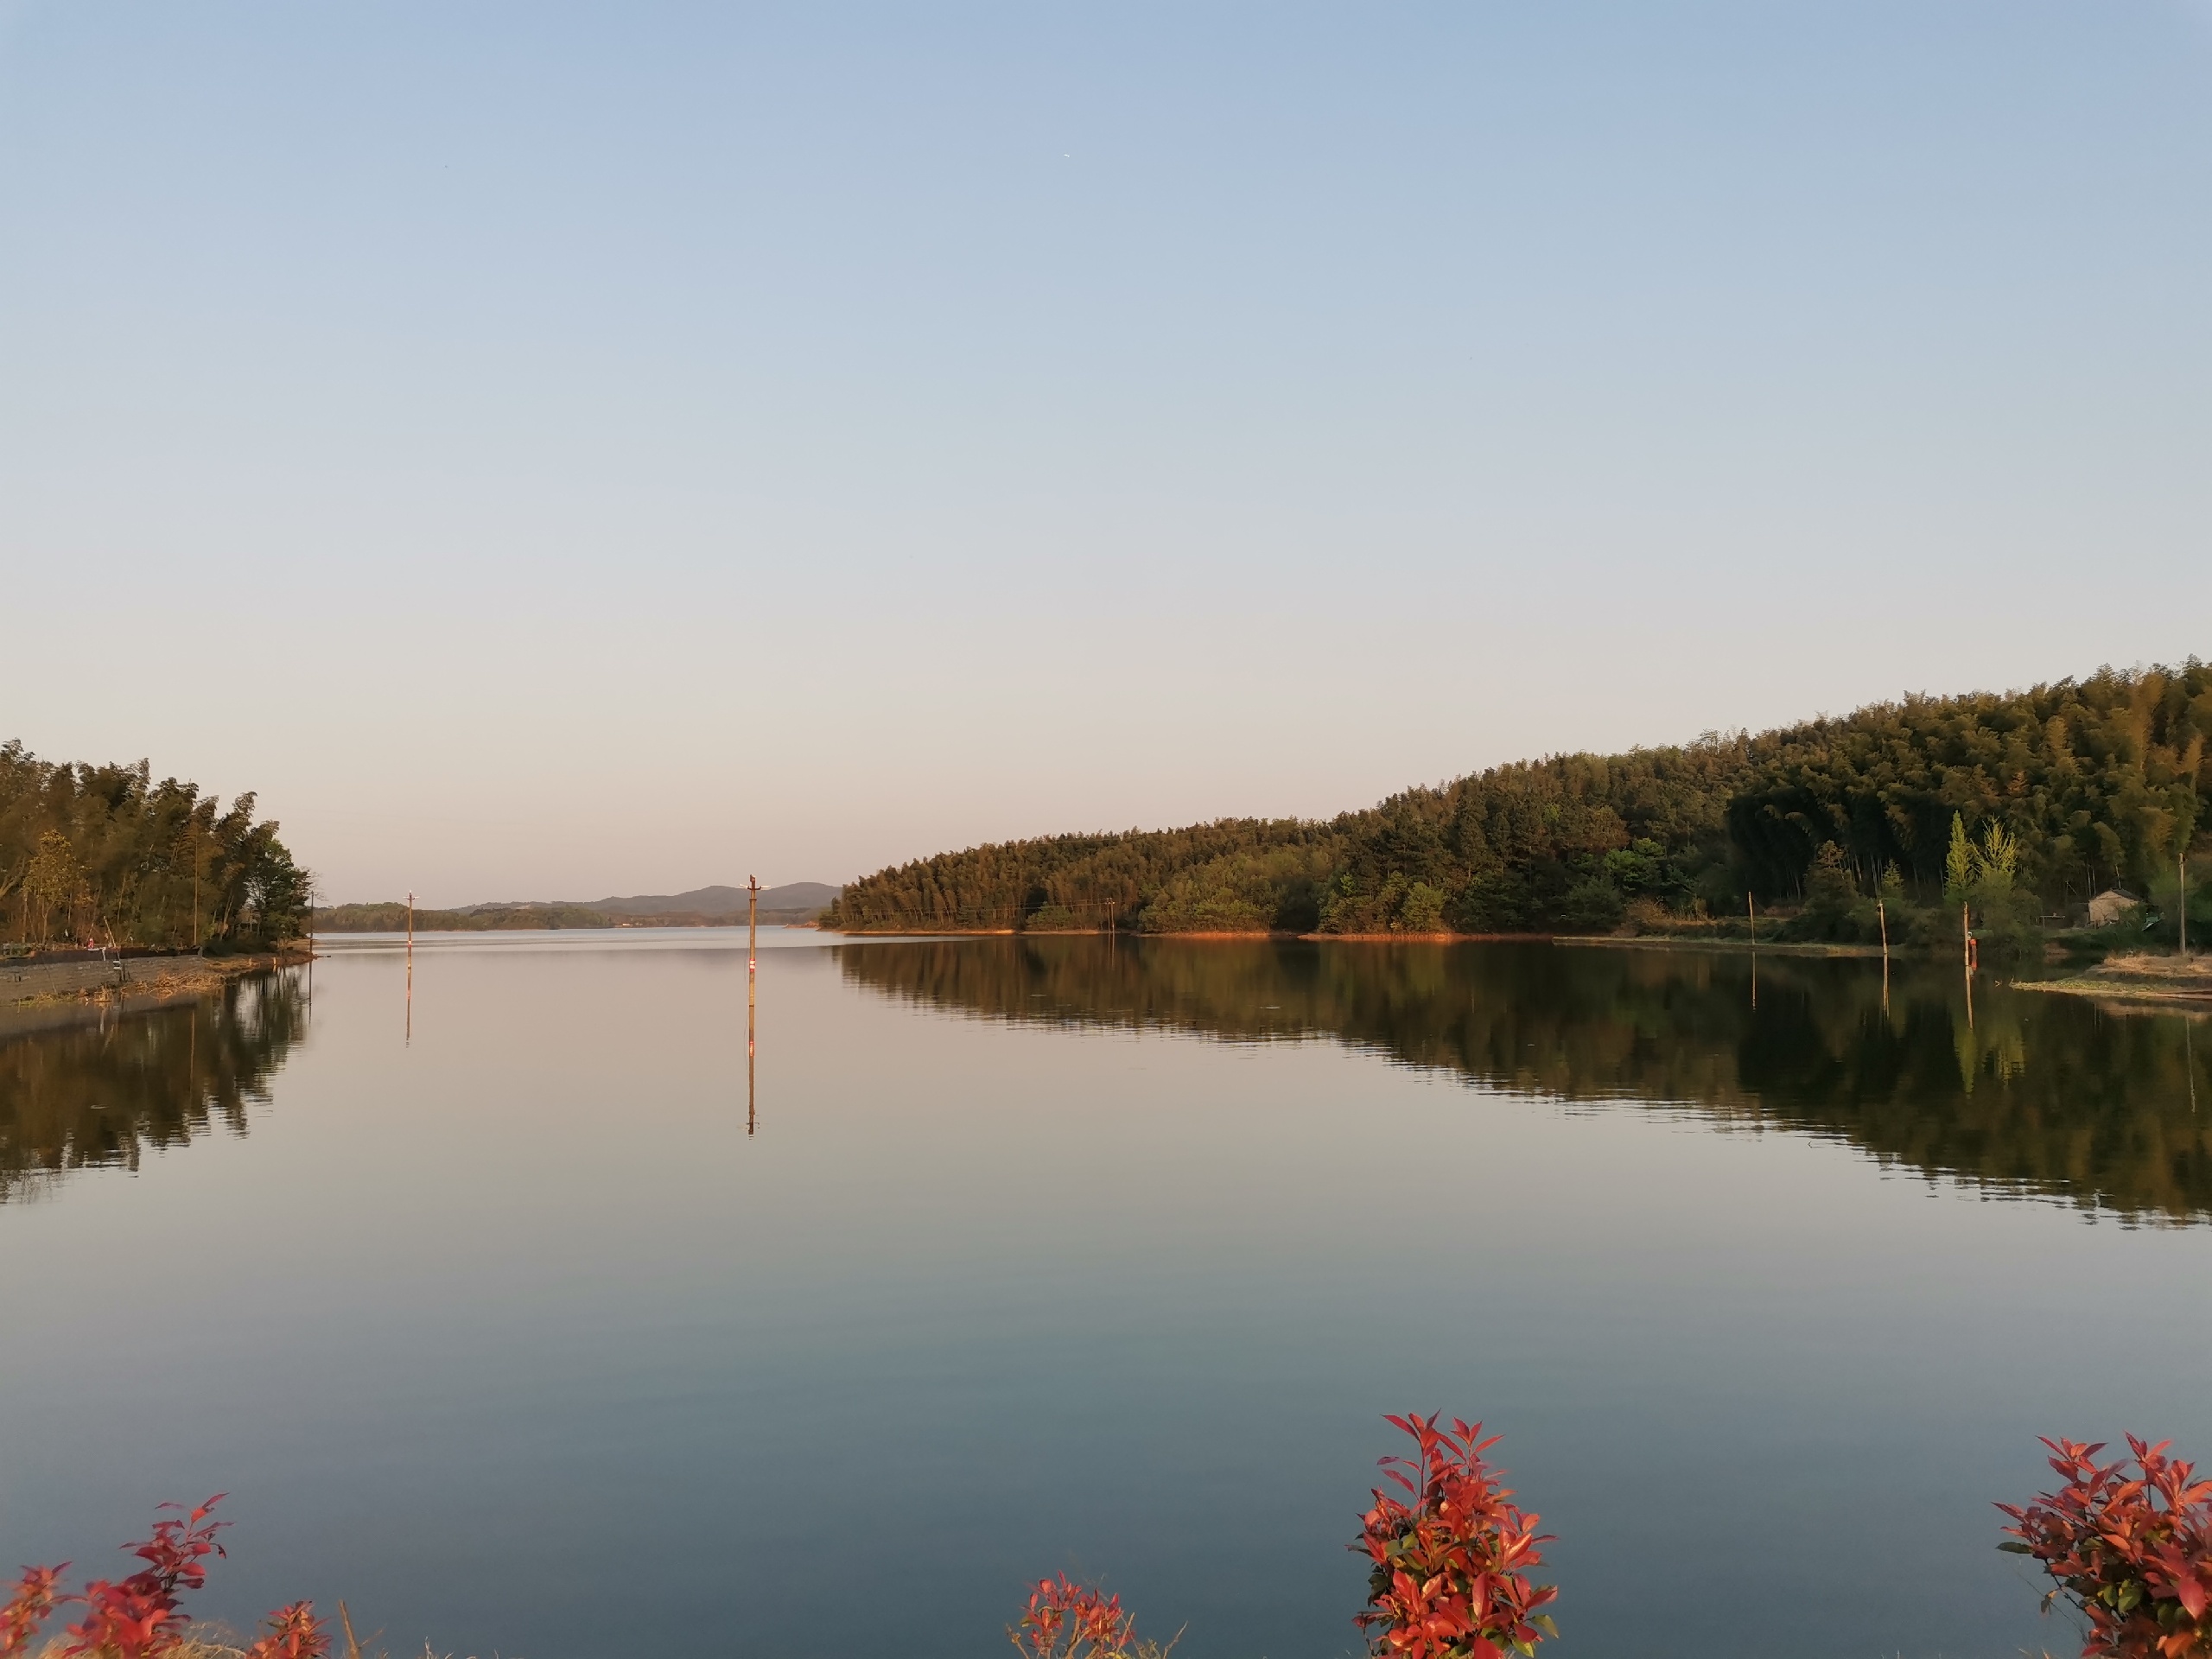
pixel 2024 1095
pixel 93 1096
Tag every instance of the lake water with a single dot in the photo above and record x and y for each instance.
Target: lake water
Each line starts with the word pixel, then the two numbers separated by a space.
pixel 498 1315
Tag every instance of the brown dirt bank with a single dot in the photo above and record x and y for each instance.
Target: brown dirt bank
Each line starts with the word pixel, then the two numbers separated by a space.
pixel 2174 982
pixel 145 982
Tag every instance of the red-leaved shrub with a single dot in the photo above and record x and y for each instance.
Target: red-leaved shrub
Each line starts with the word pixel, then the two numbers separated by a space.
pixel 1067 1620
pixel 1450 1579
pixel 137 1618
pixel 293 1633
pixel 2134 1554
pixel 28 1608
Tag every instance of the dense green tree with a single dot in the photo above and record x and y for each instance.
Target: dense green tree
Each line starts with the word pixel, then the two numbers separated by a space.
pixel 2055 792
pixel 105 854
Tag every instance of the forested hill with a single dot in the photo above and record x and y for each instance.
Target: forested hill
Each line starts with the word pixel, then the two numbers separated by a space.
pixel 106 854
pixel 2037 797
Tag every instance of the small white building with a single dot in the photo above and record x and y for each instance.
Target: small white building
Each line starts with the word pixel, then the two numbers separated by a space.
pixel 2110 905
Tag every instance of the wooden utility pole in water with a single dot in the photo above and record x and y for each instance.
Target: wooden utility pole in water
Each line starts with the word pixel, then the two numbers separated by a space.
pixel 411 970
pixel 1882 917
pixel 751 987
pixel 1751 912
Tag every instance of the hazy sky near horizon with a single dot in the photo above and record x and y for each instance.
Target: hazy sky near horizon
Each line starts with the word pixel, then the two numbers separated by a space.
pixel 565 449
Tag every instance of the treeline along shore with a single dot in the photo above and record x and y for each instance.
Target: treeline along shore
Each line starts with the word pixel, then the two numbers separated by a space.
pixel 2022 807
pixel 392 916
pixel 103 855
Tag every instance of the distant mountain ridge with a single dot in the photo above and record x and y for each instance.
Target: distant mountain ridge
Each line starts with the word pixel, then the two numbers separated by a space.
pixel 794 901
pixel 807 896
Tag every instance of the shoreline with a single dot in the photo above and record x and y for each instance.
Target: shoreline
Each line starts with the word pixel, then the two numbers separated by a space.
pixel 2168 982
pixel 1633 941
pixel 1780 948
pixel 150 982
pixel 2177 999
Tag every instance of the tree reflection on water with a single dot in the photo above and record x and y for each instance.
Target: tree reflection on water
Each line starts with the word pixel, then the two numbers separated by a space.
pixel 89 1096
pixel 2022 1094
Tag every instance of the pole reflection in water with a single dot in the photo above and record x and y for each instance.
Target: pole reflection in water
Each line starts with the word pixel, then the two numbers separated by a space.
pixel 752 987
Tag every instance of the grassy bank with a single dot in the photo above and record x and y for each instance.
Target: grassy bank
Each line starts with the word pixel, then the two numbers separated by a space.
pixel 2137 976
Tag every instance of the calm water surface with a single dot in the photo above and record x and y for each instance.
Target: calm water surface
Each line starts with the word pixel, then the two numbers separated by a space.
pixel 504 1325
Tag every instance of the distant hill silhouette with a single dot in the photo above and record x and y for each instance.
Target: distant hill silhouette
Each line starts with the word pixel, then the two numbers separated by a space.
pixel 795 902
pixel 793 898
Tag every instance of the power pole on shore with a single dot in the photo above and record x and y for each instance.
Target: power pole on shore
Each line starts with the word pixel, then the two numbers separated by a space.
pixel 2181 899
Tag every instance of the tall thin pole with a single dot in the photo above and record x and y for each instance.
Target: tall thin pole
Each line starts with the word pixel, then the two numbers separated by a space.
pixel 1966 955
pixel 751 987
pixel 411 970
pixel 1882 916
pixel 1751 911
pixel 2181 898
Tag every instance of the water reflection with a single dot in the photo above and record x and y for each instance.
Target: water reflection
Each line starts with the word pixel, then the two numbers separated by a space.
pixel 2025 1094
pixel 96 1094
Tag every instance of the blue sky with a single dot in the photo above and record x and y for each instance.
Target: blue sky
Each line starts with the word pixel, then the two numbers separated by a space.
pixel 561 450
